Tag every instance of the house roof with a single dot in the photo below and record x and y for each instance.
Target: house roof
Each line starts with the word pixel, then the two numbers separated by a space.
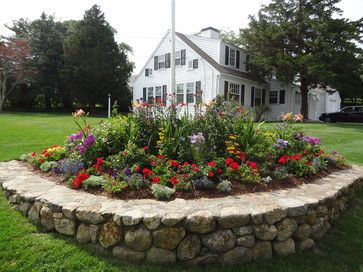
pixel 222 69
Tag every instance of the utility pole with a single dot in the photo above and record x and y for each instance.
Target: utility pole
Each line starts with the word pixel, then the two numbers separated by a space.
pixel 172 70
pixel 109 106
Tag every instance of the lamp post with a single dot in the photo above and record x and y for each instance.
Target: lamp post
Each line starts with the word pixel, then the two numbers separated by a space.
pixel 172 70
pixel 109 105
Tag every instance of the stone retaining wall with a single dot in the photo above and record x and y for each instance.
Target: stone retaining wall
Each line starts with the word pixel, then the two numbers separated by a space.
pixel 234 229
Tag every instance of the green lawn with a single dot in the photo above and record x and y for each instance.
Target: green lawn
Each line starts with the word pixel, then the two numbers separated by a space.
pixel 23 248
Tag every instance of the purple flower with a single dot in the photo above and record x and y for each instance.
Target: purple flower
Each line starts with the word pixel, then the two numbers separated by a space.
pixel 128 172
pixel 69 167
pixel 75 136
pixel 311 140
pixel 90 139
pixel 81 149
pixel 334 152
pixel 196 139
pixel 280 143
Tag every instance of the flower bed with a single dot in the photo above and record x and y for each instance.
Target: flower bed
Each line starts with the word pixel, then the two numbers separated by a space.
pixel 158 152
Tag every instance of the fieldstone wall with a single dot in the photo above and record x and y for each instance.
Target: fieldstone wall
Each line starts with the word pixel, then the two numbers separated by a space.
pixel 234 229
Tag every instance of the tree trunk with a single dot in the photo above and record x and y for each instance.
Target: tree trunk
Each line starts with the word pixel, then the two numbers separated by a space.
pixel 304 89
pixel 1 105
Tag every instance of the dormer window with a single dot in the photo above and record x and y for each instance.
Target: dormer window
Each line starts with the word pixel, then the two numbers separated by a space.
pixel 148 72
pixel 161 61
pixel 180 57
pixel 193 64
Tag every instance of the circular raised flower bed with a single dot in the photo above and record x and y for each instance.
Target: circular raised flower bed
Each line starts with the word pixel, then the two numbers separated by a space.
pixel 228 230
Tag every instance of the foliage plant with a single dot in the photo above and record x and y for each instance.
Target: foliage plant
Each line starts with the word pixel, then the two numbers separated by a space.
pixel 219 146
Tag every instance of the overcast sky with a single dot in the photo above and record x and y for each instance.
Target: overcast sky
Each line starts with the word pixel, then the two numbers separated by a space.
pixel 142 23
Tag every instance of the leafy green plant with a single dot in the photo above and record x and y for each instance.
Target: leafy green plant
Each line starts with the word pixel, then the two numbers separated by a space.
pixel 94 181
pixel 162 192
pixel 225 186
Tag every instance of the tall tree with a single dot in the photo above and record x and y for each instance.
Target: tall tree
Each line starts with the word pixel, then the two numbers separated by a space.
pixel 45 36
pixel 301 39
pixel 95 64
pixel 14 67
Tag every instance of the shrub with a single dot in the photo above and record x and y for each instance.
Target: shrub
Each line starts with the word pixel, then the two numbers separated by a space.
pixel 137 181
pixel 162 192
pixel 225 186
pixel 94 181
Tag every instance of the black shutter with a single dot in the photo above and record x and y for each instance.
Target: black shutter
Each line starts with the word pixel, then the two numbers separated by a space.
pixel 242 94
pixel 226 56
pixel 164 94
pixel 183 56
pixel 167 60
pixel 146 72
pixel 247 62
pixel 252 96
pixel 195 64
pixel 156 63
pixel 263 97
pixel 144 94
pixel 226 90
pixel 238 59
pixel 282 96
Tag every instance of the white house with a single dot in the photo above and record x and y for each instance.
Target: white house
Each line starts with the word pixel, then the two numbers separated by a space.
pixel 207 67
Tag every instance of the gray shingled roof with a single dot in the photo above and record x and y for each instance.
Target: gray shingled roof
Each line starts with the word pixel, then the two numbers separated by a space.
pixel 222 69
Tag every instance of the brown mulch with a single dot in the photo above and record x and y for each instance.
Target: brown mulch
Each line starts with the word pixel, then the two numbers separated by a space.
pixel 237 188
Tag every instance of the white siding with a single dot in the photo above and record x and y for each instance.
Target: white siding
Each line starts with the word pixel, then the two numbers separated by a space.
pixel 208 45
pixel 205 73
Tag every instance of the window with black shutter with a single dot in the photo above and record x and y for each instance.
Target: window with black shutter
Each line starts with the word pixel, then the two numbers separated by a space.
pixel 252 96
pixel 146 72
pixel 238 57
pixel 226 59
pixel 242 94
pixel 144 94
pixel 226 86
pixel 167 60
pixel 183 56
pixel 164 94
pixel 263 97
pixel 156 63
pixel 282 97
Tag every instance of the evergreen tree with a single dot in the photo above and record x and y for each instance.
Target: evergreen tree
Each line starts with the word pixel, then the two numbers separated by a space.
pixel 95 64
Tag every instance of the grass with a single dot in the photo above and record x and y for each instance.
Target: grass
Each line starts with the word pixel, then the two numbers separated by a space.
pixel 23 248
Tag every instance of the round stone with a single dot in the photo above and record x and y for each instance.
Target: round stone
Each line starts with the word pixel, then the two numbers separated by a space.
pixel 303 232
pixel 65 226
pixel 246 241
pixel 46 216
pixel 160 256
pixel 200 222
pixel 285 229
pixel 275 216
pixel 34 213
pixel 127 254
pixel 219 241
pixel 83 234
pixel 152 222
pixel 262 251
pixel 237 255
pixel 284 248
pixel 110 234
pixel 306 244
pixel 232 217
pixel 168 238
pixel 138 239
pixel 265 232
pixel 189 248
pixel 94 230
pixel 243 230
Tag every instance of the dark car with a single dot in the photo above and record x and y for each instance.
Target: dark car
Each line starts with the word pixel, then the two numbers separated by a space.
pixel 347 114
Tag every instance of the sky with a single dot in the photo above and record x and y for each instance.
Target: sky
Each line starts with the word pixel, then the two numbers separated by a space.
pixel 142 23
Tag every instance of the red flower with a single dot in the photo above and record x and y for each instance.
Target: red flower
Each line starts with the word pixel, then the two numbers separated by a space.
pixel 78 180
pixel 194 165
pixel 296 157
pixel 220 170
pixel 252 165
pixel 174 164
pixel 210 174
pixel 186 175
pixel 211 163
pixel 196 169
pixel 174 180
pixel 152 162
pixel 284 159
pixel 99 162
pixel 160 157
pixel 242 156
pixel 34 154
pixel 308 163
pixel 137 168
pixel 46 154
pixel 234 165
pixel 145 148
pixel 229 161
pixel 125 153
pixel 156 179
pixel 186 163
pixel 146 172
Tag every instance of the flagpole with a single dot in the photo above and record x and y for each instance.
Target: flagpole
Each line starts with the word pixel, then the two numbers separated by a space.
pixel 173 84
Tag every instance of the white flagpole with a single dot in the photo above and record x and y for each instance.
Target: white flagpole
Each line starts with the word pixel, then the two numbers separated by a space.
pixel 172 55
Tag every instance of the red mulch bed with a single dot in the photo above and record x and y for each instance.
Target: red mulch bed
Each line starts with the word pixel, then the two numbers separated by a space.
pixel 237 188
